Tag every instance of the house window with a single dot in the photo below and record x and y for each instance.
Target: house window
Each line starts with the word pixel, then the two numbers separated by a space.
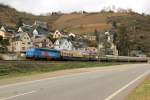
pixel 29 42
pixel 23 48
pixel 23 43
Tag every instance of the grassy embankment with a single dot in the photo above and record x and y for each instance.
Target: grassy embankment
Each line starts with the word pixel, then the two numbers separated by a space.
pixel 142 92
pixel 19 69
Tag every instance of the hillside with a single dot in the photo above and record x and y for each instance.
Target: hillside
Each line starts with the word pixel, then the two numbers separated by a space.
pixel 9 17
pixel 84 23
pixel 137 29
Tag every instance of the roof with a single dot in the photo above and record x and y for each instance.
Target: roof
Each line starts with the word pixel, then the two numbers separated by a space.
pixel 8 29
pixel 41 30
pixel 39 38
pixel 27 29
pixel 18 36
pixel 61 40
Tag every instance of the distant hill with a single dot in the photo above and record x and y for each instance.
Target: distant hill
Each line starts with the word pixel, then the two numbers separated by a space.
pixel 9 17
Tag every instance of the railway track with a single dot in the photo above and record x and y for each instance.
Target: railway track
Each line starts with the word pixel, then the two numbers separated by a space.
pixel 29 62
pixel 36 62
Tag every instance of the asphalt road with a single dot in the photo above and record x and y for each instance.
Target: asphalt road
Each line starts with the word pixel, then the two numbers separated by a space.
pixel 107 84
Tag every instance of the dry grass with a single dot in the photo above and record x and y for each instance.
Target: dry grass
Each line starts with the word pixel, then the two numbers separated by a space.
pixel 142 92
pixel 89 28
pixel 84 23
pixel 17 69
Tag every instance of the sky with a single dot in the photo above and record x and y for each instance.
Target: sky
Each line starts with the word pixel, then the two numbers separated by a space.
pixel 44 6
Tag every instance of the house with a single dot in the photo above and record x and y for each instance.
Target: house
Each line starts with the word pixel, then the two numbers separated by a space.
pixel 91 50
pixel 79 45
pixel 20 29
pixel 40 24
pixel 110 39
pixel 26 29
pixel 4 33
pixel 63 44
pixel 28 23
pixel 38 31
pixel 42 42
pixel 90 37
pixel 106 45
pixel 57 34
pixel 72 35
pixel 35 32
pixel 3 29
pixel 20 42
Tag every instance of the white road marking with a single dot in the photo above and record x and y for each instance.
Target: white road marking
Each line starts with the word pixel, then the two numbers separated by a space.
pixel 18 95
pixel 126 86
pixel 64 76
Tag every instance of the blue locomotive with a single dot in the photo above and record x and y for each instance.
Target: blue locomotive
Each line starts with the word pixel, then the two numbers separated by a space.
pixel 43 53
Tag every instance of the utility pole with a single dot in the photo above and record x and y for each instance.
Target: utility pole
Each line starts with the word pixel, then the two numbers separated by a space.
pixel 100 46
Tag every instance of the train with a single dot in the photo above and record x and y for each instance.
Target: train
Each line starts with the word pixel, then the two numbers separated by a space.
pixel 65 55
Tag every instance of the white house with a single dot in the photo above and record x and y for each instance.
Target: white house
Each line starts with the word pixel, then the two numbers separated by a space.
pixel 20 29
pixel 3 29
pixel 63 44
pixel 20 43
pixel 35 32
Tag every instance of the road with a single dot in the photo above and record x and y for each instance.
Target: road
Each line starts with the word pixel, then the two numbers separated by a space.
pixel 106 84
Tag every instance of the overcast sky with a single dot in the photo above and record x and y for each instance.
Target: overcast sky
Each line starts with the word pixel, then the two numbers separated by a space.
pixel 44 6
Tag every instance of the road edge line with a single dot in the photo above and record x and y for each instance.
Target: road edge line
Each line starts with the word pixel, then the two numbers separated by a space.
pixel 126 86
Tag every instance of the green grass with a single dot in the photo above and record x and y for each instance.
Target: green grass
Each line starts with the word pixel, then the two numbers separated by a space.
pixel 15 69
pixel 142 92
